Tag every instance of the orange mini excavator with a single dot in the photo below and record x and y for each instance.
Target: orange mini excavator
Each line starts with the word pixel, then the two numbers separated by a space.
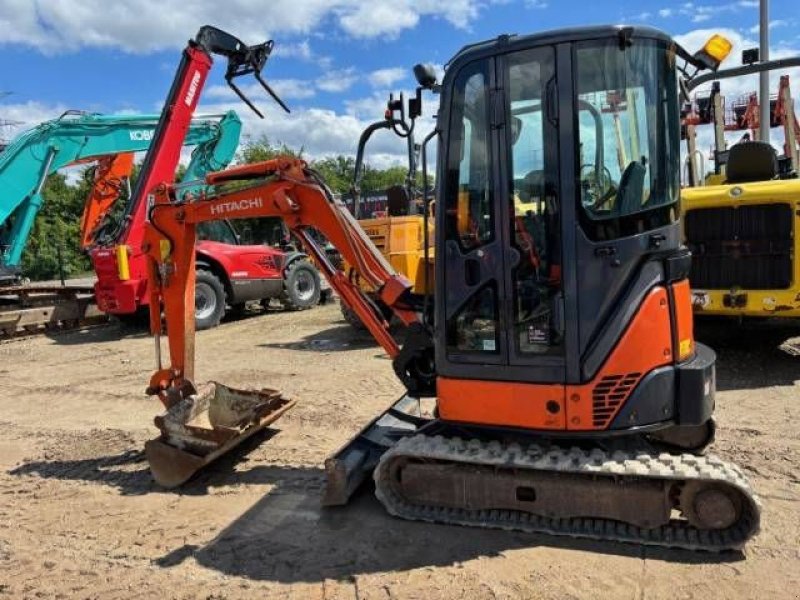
pixel 568 394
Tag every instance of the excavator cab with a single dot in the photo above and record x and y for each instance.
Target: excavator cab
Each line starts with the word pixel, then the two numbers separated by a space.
pixel 539 299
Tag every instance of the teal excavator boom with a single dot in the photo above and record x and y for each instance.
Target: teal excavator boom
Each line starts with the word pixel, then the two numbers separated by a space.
pixel 76 138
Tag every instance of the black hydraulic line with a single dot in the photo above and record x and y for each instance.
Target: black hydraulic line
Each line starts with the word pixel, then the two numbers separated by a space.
pixel 425 221
pixel 358 174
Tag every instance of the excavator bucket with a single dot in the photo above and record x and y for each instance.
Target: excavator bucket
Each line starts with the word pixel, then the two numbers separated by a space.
pixel 206 425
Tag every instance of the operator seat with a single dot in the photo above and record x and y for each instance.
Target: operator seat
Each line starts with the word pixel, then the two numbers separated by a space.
pixel 751 161
pixel 631 188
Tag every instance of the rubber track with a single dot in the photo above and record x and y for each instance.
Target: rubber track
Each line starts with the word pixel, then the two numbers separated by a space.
pixel 636 463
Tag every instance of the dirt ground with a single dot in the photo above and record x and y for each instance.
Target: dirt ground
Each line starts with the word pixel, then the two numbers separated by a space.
pixel 81 518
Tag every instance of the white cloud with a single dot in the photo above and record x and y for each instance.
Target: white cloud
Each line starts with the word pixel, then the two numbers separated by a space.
pixel 290 89
pixel 700 13
pixel 25 115
pixel 379 18
pixel 337 81
pixel 369 108
pixel 300 50
pixel 384 78
pixel 145 25
pixel 319 132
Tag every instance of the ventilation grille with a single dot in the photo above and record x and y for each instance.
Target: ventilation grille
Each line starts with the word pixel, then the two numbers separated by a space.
pixel 609 394
pixel 749 247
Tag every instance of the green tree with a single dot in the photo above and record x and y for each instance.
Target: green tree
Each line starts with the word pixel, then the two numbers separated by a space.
pixel 262 149
pixel 57 228
pixel 337 171
pixel 376 180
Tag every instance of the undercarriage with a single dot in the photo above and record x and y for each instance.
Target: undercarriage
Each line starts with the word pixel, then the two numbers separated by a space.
pixel 627 488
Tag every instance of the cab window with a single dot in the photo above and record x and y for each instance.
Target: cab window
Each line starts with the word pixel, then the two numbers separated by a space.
pixel 628 155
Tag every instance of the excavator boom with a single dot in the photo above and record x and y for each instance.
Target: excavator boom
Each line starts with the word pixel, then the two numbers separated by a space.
pixel 288 189
pixel 78 139
pixel 111 177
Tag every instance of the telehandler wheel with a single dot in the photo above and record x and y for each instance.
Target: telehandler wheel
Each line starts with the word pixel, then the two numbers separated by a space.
pixel 209 300
pixel 301 286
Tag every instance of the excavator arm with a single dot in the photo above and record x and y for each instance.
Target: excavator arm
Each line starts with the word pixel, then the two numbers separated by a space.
pixel 288 189
pixel 201 424
pixel 111 176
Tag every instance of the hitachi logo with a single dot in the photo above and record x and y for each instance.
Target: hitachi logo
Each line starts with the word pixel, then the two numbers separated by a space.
pixel 236 205
pixel 192 88
pixel 141 135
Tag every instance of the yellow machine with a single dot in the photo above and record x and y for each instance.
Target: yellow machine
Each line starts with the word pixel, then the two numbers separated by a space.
pixel 398 230
pixel 401 241
pixel 744 248
pixel 742 222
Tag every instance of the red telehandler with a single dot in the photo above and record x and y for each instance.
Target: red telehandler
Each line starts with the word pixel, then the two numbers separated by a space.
pixel 570 395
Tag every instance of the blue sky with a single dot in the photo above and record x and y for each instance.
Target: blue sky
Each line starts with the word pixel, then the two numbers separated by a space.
pixel 336 59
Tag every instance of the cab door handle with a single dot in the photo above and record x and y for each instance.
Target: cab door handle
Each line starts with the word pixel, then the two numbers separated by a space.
pixel 605 251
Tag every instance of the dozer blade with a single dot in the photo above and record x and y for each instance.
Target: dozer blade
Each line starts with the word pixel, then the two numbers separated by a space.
pixel 206 425
pixel 354 462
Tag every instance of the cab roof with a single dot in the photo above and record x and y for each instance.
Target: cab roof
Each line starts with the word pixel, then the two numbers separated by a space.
pixel 556 36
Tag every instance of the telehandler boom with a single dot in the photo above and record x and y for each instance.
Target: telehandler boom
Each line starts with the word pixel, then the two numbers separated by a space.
pixel 570 395
pixel 117 258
